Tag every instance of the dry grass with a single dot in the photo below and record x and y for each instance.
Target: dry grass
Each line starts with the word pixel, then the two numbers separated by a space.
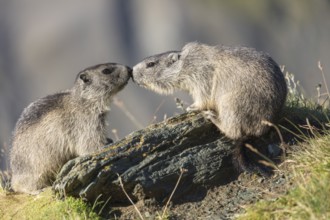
pixel 309 169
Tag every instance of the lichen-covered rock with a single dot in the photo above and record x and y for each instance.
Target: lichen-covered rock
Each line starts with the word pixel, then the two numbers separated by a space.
pixel 149 162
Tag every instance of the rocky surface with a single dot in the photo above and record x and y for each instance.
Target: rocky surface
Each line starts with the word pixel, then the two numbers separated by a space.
pixel 220 202
pixel 149 163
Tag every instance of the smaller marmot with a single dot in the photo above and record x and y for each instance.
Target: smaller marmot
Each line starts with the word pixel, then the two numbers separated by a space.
pixel 59 127
pixel 236 87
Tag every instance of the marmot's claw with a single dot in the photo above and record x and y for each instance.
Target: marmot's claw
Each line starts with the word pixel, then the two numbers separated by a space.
pixel 209 114
pixel 191 108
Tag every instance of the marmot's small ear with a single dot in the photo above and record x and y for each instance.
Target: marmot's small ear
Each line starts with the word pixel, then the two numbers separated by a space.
pixel 85 78
pixel 174 57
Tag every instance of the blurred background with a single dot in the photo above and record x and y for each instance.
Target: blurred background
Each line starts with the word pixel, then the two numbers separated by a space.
pixel 44 44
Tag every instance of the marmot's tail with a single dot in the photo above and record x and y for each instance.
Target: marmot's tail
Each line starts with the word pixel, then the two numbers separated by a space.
pixel 246 160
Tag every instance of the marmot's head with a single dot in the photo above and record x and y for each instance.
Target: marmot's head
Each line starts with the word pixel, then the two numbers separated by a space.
pixel 102 80
pixel 160 73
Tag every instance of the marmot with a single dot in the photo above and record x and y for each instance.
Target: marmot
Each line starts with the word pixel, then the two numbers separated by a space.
pixel 236 87
pixel 59 127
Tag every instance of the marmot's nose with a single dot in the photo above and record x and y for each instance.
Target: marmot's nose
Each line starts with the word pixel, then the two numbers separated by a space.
pixel 130 71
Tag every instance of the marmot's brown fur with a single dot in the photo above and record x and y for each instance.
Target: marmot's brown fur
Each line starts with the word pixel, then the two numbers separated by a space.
pixel 59 127
pixel 236 87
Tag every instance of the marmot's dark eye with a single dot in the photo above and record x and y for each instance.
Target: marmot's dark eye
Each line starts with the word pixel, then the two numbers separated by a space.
pixel 151 64
pixel 108 70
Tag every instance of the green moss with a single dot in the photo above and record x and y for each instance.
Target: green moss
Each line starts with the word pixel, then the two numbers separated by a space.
pixel 43 206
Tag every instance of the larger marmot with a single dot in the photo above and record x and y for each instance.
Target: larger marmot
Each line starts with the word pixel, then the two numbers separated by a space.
pixel 236 87
pixel 59 127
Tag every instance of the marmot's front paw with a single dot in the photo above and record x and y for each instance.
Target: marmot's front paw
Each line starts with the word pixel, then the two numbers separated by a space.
pixel 210 114
pixel 192 108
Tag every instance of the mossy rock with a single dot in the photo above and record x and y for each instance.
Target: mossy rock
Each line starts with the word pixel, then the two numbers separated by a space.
pixel 149 160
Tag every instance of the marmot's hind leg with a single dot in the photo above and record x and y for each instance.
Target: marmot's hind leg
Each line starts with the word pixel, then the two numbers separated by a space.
pixel 243 158
pixel 246 160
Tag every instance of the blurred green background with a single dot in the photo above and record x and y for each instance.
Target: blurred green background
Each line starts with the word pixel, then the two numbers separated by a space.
pixel 44 44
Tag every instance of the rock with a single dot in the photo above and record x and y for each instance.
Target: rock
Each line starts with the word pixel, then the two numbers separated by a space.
pixel 149 162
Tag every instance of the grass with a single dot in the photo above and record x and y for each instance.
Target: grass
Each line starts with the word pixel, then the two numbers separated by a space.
pixel 310 169
pixel 43 206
